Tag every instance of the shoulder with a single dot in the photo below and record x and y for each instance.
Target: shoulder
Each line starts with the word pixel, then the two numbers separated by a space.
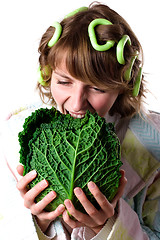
pixel 16 118
pixel 154 118
pixel 146 127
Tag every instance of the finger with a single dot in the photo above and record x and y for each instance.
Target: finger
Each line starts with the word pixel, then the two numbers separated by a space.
pixel 75 213
pixel 79 216
pixel 40 206
pixel 73 224
pixel 105 205
pixel 30 195
pixel 88 206
pixel 20 170
pixel 59 210
pixel 122 184
pixel 46 217
pixel 22 183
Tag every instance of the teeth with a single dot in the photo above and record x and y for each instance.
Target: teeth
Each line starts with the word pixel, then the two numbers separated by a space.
pixel 77 115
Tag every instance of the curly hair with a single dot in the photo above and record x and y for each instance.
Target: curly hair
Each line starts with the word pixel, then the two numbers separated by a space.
pixel 85 63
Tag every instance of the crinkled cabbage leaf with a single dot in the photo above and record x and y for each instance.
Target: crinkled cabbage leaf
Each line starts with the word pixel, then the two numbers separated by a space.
pixel 70 152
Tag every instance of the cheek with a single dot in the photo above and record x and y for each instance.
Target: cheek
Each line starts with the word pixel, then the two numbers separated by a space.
pixel 56 94
pixel 104 104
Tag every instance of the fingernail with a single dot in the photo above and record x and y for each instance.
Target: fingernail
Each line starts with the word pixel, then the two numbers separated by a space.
pixel 91 185
pixel 33 173
pixel 68 204
pixel 52 194
pixel 61 207
pixel 78 191
pixel 44 183
pixel 65 214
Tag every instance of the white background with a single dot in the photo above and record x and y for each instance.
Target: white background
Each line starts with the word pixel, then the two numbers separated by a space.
pixel 22 24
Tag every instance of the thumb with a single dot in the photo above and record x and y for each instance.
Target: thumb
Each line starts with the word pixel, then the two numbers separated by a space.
pixel 20 170
pixel 122 184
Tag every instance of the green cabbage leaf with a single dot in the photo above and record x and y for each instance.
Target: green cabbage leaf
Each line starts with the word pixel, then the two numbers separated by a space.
pixel 70 152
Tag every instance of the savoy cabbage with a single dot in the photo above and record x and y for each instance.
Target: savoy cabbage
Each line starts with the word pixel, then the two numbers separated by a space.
pixel 70 152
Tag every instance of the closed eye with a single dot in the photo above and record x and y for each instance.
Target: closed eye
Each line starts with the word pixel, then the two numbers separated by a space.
pixel 98 90
pixel 63 82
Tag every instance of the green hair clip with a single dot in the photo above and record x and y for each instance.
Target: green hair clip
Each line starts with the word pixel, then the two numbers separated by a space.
pixel 127 74
pixel 137 84
pixel 76 11
pixel 58 27
pixel 56 35
pixel 92 35
pixel 40 77
pixel 120 48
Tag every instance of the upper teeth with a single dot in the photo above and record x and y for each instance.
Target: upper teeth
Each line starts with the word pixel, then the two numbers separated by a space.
pixel 77 115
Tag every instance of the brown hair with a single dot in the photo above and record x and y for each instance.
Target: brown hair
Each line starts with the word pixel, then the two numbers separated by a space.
pixel 86 64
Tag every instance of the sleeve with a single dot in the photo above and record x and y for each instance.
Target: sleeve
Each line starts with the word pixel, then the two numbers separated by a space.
pixel 87 234
pixel 127 225
pixel 48 236
pixel 148 210
pixel 56 231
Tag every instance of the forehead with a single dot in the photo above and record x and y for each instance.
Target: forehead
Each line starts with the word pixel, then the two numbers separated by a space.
pixel 66 70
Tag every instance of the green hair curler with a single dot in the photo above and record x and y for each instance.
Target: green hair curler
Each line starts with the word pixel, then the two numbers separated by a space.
pixel 40 77
pixel 76 11
pixel 56 35
pixel 137 84
pixel 120 48
pixel 127 74
pixel 92 35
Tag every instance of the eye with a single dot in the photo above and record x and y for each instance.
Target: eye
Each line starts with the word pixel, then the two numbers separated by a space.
pixel 63 82
pixel 98 90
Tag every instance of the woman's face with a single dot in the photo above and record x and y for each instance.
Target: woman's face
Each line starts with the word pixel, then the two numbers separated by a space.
pixel 75 97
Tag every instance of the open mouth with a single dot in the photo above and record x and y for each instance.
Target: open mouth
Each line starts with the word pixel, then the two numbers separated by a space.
pixel 76 115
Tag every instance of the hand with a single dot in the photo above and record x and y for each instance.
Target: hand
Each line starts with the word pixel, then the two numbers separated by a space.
pixel 94 219
pixel 43 218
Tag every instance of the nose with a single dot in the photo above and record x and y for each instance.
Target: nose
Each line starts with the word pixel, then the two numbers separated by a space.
pixel 79 99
